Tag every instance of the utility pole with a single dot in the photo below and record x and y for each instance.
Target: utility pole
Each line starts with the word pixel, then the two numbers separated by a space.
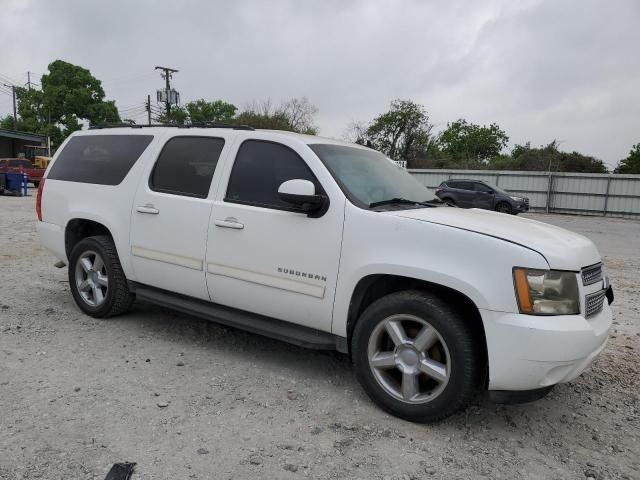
pixel 15 115
pixel 29 80
pixel 167 72
pixel 149 109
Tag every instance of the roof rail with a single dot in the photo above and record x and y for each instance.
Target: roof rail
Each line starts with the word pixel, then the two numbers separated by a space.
pixel 101 126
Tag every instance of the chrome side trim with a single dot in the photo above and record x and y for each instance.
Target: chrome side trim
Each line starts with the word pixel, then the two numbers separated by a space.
pixel 303 288
pixel 166 257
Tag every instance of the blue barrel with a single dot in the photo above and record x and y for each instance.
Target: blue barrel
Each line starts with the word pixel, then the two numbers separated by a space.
pixel 14 182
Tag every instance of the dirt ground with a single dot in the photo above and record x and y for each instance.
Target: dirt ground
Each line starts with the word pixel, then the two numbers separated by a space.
pixel 187 399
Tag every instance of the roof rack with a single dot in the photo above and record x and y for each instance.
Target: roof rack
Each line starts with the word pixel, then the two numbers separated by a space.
pixel 101 126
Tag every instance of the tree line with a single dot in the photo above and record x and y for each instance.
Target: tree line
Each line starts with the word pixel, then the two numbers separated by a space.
pixel 71 96
pixel 405 132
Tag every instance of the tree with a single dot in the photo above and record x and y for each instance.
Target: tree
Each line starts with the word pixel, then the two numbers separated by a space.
pixel 295 115
pixel 547 158
pixel 356 132
pixel 631 164
pixel 300 113
pixel 70 95
pixel 402 133
pixel 520 149
pixel 217 111
pixel 176 116
pixel 472 143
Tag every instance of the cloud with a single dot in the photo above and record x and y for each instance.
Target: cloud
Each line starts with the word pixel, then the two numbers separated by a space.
pixel 541 70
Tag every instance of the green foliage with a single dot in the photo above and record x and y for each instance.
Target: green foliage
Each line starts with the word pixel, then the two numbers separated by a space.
pixel 631 164
pixel 272 121
pixel 69 95
pixel 546 158
pixel 295 115
pixel 217 111
pixel 470 142
pixel 520 149
pixel 402 133
pixel 200 111
pixel 177 116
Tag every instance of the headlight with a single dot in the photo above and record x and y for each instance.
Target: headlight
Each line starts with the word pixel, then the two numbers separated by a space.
pixel 517 199
pixel 546 292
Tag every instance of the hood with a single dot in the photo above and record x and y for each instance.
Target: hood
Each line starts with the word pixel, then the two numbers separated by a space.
pixel 563 250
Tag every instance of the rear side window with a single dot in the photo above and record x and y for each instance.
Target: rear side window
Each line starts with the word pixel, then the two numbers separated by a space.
pixel 461 185
pixel 99 159
pixel 186 166
pixel 259 170
pixel 481 187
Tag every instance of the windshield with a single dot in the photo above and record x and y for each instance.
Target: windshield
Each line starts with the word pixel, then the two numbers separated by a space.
pixel 368 176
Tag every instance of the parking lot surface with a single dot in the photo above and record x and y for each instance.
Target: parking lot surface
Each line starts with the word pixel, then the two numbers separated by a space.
pixel 188 399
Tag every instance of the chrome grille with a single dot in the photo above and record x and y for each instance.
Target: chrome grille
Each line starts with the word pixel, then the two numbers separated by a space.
pixel 593 303
pixel 592 274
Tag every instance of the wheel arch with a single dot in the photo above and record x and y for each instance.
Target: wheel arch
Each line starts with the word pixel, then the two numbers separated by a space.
pixel 79 228
pixel 375 286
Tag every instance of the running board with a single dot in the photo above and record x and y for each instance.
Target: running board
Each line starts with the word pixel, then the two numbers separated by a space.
pixel 251 322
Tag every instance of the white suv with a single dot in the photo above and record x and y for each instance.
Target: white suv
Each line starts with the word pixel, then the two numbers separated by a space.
pixel 327 245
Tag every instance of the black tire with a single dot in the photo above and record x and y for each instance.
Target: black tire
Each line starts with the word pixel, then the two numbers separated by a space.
pixel 449 201
pixel 504 207
pixel 118 298
pixel 465 355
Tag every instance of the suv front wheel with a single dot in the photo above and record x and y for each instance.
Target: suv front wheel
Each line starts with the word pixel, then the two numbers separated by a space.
pixel 97 281
pixel 416 356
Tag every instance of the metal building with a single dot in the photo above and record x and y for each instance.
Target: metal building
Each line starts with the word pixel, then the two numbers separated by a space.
pixel 15 144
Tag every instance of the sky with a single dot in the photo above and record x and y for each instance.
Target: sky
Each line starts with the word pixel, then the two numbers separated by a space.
pixel 541 70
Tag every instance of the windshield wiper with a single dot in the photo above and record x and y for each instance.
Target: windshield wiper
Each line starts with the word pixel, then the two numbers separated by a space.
pixel 399 200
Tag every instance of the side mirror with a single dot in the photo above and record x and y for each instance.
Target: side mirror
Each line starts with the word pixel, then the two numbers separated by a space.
pixel 302 194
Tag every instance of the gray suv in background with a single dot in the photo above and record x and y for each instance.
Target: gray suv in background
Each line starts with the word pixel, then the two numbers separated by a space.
pixel 476 194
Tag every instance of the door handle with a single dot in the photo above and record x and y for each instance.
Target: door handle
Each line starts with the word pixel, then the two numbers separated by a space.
pixel 229 222
pixel 148 208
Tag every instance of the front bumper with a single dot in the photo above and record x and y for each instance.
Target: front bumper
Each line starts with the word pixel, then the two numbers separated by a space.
pixel 528 352
pixel 521 207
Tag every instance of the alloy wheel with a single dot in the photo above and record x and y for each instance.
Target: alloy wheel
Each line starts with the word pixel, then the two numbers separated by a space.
pixel 409 358
pixel 92 280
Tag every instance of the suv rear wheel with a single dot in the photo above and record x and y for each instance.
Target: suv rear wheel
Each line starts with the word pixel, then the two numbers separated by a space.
pixel 416 356
pixel 97 281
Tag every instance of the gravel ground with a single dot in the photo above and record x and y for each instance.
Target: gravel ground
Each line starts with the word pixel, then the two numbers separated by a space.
pixel 185 398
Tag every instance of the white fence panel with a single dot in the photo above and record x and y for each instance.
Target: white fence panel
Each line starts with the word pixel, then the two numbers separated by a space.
pixel 581 193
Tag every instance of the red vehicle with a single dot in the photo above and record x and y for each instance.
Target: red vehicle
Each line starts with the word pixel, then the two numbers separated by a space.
pixel 22 165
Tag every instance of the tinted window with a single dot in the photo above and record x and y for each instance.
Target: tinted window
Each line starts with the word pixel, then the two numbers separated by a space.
pixel 462 185
pixel 186 165
pixel 99 159
pixel 481 187
pixel 259 170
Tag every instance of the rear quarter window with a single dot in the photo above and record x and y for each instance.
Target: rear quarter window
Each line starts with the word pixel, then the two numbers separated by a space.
pixel 99 159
